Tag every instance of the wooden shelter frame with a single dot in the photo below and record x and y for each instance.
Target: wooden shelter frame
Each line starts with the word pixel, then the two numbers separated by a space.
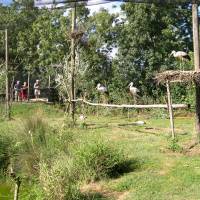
pixel 171 76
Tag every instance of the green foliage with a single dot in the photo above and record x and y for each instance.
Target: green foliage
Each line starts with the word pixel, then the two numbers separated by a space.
pixel 31 140
pixel 98 159
pixel 59 179
pixel 174 146
pixel 5 151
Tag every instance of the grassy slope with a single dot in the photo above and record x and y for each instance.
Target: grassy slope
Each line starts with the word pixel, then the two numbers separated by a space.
pixel 159 174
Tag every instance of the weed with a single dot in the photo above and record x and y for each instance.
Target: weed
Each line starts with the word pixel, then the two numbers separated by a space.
pixel 59 179
pixel 174 146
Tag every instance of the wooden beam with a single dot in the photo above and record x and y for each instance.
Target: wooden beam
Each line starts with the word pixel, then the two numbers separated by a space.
pixel 131 106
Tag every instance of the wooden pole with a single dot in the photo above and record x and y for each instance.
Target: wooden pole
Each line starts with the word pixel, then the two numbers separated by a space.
pixel 195 23
pixel 171 115
pixel 17 185
pixel 7 106
pixel 49 81
pixel 28 95
pixel 73 103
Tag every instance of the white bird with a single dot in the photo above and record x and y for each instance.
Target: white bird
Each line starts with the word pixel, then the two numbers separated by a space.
pixel 82 117
pixel 181 55
pixel 133 90
pixel 101 88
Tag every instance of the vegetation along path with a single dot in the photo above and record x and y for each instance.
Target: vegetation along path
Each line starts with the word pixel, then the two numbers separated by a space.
pixel 157 167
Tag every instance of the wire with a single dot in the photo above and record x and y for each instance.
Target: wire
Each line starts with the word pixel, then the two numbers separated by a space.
pixel 88 3
pixel 110 1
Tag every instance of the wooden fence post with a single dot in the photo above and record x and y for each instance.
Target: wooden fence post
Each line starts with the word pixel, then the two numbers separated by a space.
pixel 171 115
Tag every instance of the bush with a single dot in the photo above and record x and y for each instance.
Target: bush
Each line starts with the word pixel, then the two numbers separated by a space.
pixel 5 152
pixel 98 159
pixel 59 179
pixel 31 142
pixel 174 146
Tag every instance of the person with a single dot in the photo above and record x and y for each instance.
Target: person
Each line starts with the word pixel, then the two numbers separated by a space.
pixel 37 89
pixel 24 91
pixel 17 90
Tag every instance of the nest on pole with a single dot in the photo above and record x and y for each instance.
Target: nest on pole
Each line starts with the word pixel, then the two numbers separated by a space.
pixel 178 76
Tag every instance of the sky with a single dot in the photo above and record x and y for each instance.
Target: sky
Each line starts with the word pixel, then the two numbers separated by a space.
pixel 93 8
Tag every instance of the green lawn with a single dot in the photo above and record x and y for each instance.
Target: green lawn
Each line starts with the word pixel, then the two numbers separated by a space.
pixel 157 173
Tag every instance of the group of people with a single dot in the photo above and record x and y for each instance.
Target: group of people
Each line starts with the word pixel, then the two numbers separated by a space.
pixel 21 91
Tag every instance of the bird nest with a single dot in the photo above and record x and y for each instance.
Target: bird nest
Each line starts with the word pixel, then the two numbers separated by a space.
pixel 178 76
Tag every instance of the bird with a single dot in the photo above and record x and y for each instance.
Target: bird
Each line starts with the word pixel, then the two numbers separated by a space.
pixel 82 117
pixel 134 91
pixel 181 55
pixel 102 90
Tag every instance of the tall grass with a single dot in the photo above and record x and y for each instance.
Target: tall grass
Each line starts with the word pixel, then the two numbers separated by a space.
pixel 59 179
pixel 5 152
pixel 98 159
pixel 57 161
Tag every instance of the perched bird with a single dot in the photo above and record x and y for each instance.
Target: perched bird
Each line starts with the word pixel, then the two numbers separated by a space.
pixel 101 88
pixel 134 91
pixel 181 55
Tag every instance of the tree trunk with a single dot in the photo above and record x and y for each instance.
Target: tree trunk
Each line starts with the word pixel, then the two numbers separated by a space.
pixel 196 63
pixel 73 103
pixel 7 81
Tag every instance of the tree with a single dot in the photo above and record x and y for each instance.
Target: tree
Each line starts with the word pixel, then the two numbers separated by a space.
pixel 146 36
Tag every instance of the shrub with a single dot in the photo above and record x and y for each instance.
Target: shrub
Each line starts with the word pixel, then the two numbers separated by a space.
pixel 98 159
pixel 5 152
pixel 174 146
pixel 59 179
pixel 31 141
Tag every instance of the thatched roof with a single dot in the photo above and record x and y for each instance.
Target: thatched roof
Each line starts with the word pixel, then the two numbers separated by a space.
pixel 178 76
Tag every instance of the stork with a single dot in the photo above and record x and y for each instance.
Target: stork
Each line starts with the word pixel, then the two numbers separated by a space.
pixel 82 117
pixel 181 55
pixel 102 90
pixel 134 91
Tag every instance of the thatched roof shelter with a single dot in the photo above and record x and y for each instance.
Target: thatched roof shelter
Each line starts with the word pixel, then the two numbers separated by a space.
pixel 178 76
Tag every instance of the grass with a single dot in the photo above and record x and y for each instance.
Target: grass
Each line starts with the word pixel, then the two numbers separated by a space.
pixel 159 173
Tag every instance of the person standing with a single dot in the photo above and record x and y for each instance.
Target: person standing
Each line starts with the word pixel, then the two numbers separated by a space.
pixel 37 89
pixel 17 90
pixel 24 92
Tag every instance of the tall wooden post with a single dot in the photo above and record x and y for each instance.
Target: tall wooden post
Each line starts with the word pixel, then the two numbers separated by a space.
pixel 17 185
pixel 73 62
pixel 7 105
pixel 171 114
pixel 195 23
pixel 28 95
pixel 49 85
